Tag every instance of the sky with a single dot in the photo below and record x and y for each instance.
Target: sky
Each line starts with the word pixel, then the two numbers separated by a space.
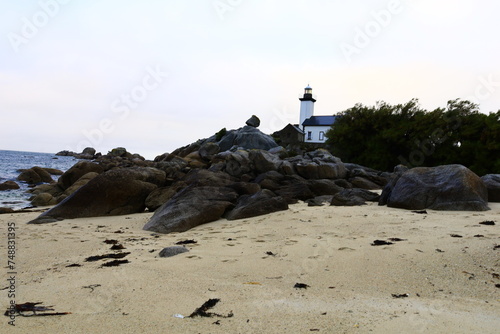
pixel 155 75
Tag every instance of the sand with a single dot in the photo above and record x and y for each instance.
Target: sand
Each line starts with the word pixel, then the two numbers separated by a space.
pixel 252 266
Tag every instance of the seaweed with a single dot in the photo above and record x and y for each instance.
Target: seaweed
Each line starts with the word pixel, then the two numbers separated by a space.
pixel 202 311
pixel 34 307
pixel 106 256
pixel 381 243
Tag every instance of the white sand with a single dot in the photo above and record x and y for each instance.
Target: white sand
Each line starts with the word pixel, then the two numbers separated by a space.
pixel 328 248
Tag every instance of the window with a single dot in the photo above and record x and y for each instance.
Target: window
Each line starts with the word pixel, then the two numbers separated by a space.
pixel 321 135
pixel 309 135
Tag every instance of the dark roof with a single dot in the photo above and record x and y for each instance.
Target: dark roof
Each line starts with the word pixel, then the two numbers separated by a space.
pixel 296 126
pixel 319 121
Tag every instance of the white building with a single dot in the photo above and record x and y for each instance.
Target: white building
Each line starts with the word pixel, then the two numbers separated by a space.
pixel 314 127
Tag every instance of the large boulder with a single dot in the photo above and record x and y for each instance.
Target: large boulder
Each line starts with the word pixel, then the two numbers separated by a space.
pixel 115 192
pixel 191 207
pixel 261 203
pixel 77 171
pixel 247 137
pixel 449 187
pixel 9 185
pixel 492 182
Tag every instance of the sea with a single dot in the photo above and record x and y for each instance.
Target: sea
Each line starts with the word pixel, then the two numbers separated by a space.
pixel 10 164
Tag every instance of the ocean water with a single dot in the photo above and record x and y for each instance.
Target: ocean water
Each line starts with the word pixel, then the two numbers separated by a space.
pixel 10 164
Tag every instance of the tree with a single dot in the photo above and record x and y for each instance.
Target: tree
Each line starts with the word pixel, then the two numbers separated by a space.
pixel 384 135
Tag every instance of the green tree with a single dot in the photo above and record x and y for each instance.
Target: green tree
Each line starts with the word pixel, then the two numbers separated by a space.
pixel 385 135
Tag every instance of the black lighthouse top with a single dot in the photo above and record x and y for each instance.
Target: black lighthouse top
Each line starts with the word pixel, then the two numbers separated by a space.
pixel 307 95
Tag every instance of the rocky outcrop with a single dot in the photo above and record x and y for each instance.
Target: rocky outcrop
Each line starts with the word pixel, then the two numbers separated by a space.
pixel 449 187
pixel 234 174
pixel 88 153
pixel 8 185
pixel 492 182
pixel 116 192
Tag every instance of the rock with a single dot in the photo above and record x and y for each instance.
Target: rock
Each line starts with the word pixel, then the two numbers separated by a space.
pixel 89 151
pixel 53 171
pixel 323 187
pixel 361 182
pixel 492 182
pixel 8 185
pixel 77 171
pixel 449 187
pixel 295 189
pixel 119 152
pixel 237 163
pixel 29 176
pixel 66 153
pixel 373 176
pixel 353 197
pixel 204 177
pixel 191 207
pixel 35 175
pixel 173 251
pixel 261 203
pixel 52 189
pixel 43 199
pixel 115 192
pixel 150 175
pixel 172 165
pixel 319 200
pixel 247 137
pixel 270 180
pixel 319 169
pixel 208 150
pixel 80 183
pixel 245 188
pixel 264 161
pixel 6 210
pixel 162 195
pixel 253 121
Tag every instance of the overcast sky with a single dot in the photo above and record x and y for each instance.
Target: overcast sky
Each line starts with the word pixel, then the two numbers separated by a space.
pixel 158 74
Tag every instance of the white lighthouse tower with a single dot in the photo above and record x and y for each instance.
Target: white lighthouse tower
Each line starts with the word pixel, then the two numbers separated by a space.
pixel 306 105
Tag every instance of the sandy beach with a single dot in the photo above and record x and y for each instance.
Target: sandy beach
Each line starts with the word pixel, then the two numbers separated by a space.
pixel 440 278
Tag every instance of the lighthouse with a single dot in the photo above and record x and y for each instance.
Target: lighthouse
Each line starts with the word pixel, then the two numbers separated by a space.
pixel 306 105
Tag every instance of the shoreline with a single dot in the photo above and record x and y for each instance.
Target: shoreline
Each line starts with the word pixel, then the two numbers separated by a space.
pixel 253 264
